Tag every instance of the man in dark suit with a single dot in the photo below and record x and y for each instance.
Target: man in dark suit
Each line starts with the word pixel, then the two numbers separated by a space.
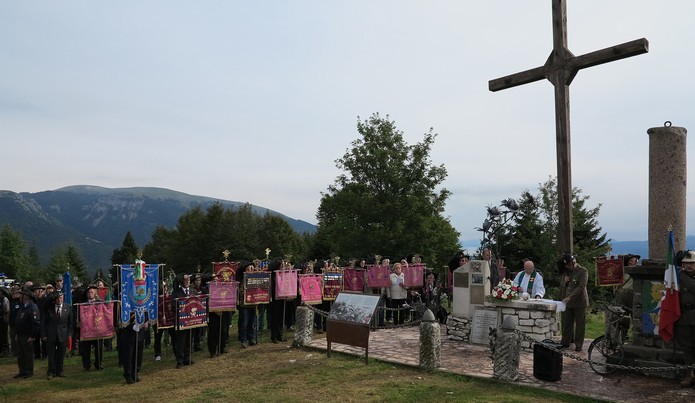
pixel 576 299
pixel 183 337
pixel 56 329
pixel 27 328
pixel 86 346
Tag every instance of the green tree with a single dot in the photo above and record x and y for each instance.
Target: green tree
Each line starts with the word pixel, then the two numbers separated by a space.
pixel 126 254
pixel 66 258
pixel 389 200
pixel 277 234
pixel 13 261
pixel 534 235
pixel 34 265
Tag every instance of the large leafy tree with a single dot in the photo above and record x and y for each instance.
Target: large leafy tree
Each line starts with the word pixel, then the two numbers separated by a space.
pixel 389 200
pixel 126 254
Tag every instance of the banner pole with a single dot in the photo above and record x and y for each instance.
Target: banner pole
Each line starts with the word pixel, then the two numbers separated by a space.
pixel 135 363
pixel 219 335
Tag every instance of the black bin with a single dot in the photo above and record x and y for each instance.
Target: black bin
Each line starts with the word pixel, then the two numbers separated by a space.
pixel 547 364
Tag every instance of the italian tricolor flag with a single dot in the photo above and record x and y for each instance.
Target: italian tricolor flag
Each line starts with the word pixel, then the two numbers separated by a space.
pixel 670 305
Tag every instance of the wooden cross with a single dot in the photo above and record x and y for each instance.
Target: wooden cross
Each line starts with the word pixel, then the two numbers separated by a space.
pixel 560 69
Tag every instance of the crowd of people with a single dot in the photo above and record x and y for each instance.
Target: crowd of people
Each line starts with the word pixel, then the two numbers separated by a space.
pixel 36 322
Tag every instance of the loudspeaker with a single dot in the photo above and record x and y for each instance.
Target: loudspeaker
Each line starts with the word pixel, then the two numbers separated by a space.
pixel 547 364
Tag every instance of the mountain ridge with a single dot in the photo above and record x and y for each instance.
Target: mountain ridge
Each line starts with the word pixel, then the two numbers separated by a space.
pixel 95 219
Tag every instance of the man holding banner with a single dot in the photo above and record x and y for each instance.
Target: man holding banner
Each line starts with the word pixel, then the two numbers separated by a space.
pixel 87 345
pixel 183 337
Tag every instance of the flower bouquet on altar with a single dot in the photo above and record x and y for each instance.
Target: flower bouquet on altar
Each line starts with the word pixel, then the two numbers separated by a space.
pixel 505 290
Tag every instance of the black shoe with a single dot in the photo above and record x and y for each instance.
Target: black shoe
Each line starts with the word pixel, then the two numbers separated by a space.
pixel 197 348
pixel 223 352
pixel 129 381
pixel 27 376
pixel 49 376
pixel 62 375
pixel 274 341
pixel 137 379
pixel 179 365
pixel 19 375
pixel 85 369
pixel 578 349
pixel 252 343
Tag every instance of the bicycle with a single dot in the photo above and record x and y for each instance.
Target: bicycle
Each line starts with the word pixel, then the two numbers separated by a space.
pixel 608 348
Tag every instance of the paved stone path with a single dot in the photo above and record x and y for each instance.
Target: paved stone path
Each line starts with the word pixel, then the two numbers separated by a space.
pixel 402 346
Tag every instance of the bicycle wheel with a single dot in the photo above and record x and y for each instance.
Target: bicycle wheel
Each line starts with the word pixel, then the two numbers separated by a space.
pixel 603 351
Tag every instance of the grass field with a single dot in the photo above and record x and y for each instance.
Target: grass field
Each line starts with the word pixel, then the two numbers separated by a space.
pixel 265 373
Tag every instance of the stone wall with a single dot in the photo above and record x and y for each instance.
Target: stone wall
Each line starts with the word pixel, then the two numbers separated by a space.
pixel 538 320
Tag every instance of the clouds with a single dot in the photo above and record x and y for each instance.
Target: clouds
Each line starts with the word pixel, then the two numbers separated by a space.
pixel 254 102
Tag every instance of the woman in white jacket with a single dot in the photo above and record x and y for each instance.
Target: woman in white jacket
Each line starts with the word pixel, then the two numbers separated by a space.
pixel 398 293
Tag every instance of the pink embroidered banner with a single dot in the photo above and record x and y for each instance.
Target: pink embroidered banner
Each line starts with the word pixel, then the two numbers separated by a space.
pixel 223 296
pixel 167 312
pixel 191 312
pixel 286 284
pixel 311 288
pixel 353 279
pixel 414 275
pixel 378 276
pixel 96 321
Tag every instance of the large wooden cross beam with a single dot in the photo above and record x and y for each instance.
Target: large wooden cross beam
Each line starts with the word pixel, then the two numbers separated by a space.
pixel 560 69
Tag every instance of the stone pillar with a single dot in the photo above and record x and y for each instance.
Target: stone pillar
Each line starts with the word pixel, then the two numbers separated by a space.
pixel 430 341
pixel 304 326
pixel 505 356
pixel 667 188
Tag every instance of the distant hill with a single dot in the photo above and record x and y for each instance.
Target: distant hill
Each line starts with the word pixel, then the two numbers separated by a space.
pixel 619 247
pixel 96 219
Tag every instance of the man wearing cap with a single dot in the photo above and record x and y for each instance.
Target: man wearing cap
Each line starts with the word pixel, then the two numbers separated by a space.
pixel 87 345
pixel 684 329
pixel 576 299
pixel 56 328
pixel 27 327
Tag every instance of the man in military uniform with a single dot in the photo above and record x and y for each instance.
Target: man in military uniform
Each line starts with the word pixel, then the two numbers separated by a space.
pixel 27 327
pixel 576 299
pixel 685 326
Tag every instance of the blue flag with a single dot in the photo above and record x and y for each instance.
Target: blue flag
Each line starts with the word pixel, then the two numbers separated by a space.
pixel 139 296
pixel 67 288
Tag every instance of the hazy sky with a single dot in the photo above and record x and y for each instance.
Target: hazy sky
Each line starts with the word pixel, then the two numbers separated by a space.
pixel 254 101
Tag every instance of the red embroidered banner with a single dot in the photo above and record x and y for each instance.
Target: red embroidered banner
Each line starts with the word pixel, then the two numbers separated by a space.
pixel 310 285
pixel 286 284
pixel 96 321
pixel 103 293
pixel 167 312
pixel 378 276
pixel 191 312
pixel 223 296
pixel 332 284
pixel 256 287
pixel 353 279
pixel 225 270
pixel 609 271
pixel 414 275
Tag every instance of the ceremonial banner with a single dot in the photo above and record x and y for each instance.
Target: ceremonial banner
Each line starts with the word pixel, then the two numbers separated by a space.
pixel 103 293
pixel 310 285
pixel 332 284
pixel 139 296
pixel 223 296
pixel 414 275
pixel 191 312
pixel 225 270
pixel 167 312
pixel 256 287
pixel 609 271
pixel 286 284
pixel 96 321
pixel 353 279
pixel 67 288
pixel 378 276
